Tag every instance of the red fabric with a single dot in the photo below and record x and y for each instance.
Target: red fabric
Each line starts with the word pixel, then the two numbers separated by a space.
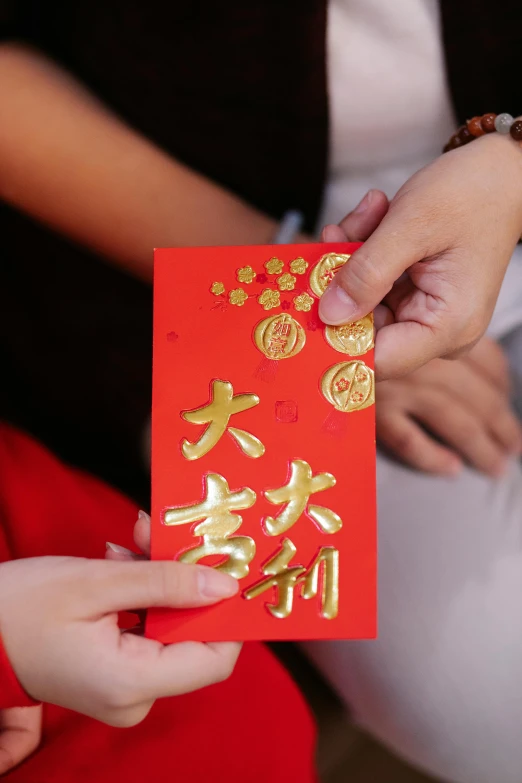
pixel 47 508
pixel 11 692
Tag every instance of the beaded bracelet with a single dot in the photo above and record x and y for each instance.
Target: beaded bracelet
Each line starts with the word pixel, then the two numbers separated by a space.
pixel 488 123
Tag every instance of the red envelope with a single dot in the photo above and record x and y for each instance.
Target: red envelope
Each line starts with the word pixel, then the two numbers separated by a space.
pixel 263 444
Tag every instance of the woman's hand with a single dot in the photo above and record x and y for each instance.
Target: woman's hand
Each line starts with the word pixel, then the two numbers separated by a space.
pixel 463 404
pixel 435 259
pixel 20 735
pixel 58 617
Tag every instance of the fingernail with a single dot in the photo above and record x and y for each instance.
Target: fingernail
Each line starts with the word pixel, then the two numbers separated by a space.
pixel 336 306
pixel 120 550
pixel 363 205
pixel 330 234
pixel 216 584
pixel 144 516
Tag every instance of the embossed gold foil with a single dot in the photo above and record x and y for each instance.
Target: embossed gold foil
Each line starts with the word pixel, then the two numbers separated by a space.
pixel 269 299
pixel 216 414
pixel 218 526
pixel 274 266
pixel 286 282
pixel 354 339
pixel 246 274
pixel 279 337
pixel 327 559
pixel 349 386
pixel 295 496
pixel 284 579
pixel 238 297
pixel 324 271
pixel 280 577
pixel 298 266
pixel 217 288
pixel 303 302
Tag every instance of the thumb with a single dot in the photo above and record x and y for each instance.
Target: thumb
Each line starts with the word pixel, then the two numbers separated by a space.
pixel 358 225
pixel 116 586
pixel 370 274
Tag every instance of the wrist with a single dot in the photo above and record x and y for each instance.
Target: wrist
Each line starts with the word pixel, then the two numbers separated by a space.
pixel 503 155
pixel 500 138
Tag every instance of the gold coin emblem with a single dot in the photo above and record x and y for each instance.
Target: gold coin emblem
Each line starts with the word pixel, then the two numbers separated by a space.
pixel 325 270
pixel 349 386
pixel 354 339
pixel 279 337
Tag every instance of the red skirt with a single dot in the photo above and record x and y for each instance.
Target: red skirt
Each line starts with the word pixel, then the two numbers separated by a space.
pixel 253 728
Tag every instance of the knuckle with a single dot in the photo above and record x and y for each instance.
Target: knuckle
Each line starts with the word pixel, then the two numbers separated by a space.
pixel 363 275
pixel 434 401
pixel 404 442
pixel 224 668
pixel 165 582
pixel 467 427
pixel 508 427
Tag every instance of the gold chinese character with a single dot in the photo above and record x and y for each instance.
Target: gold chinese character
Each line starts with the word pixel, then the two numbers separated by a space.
pixel 325 270
pixel 218 526
pixel 296 494
pixel 224 404
pixel 328 559
pixel 284 580
pixel 279 337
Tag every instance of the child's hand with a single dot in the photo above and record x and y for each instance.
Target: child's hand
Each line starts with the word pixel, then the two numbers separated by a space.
pixel 20 735
pixel 465 404
pixel 436 259
pixel 58 617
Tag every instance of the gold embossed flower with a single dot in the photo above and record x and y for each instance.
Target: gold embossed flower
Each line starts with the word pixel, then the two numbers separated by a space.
pixel 217 288
pixel 274 266
pixel 238 297
pixel 246 274
pixel 303 302
pixel 286 282
pixel 269 299
pixel 298 266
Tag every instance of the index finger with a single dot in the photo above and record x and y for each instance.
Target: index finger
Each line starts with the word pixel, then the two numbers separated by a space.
pixel 115 586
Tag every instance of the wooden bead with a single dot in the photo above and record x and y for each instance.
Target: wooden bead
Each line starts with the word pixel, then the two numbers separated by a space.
pixel 464 135
pixel 475 127
pixel 454 142
pixel 516 130
pixel 488 123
